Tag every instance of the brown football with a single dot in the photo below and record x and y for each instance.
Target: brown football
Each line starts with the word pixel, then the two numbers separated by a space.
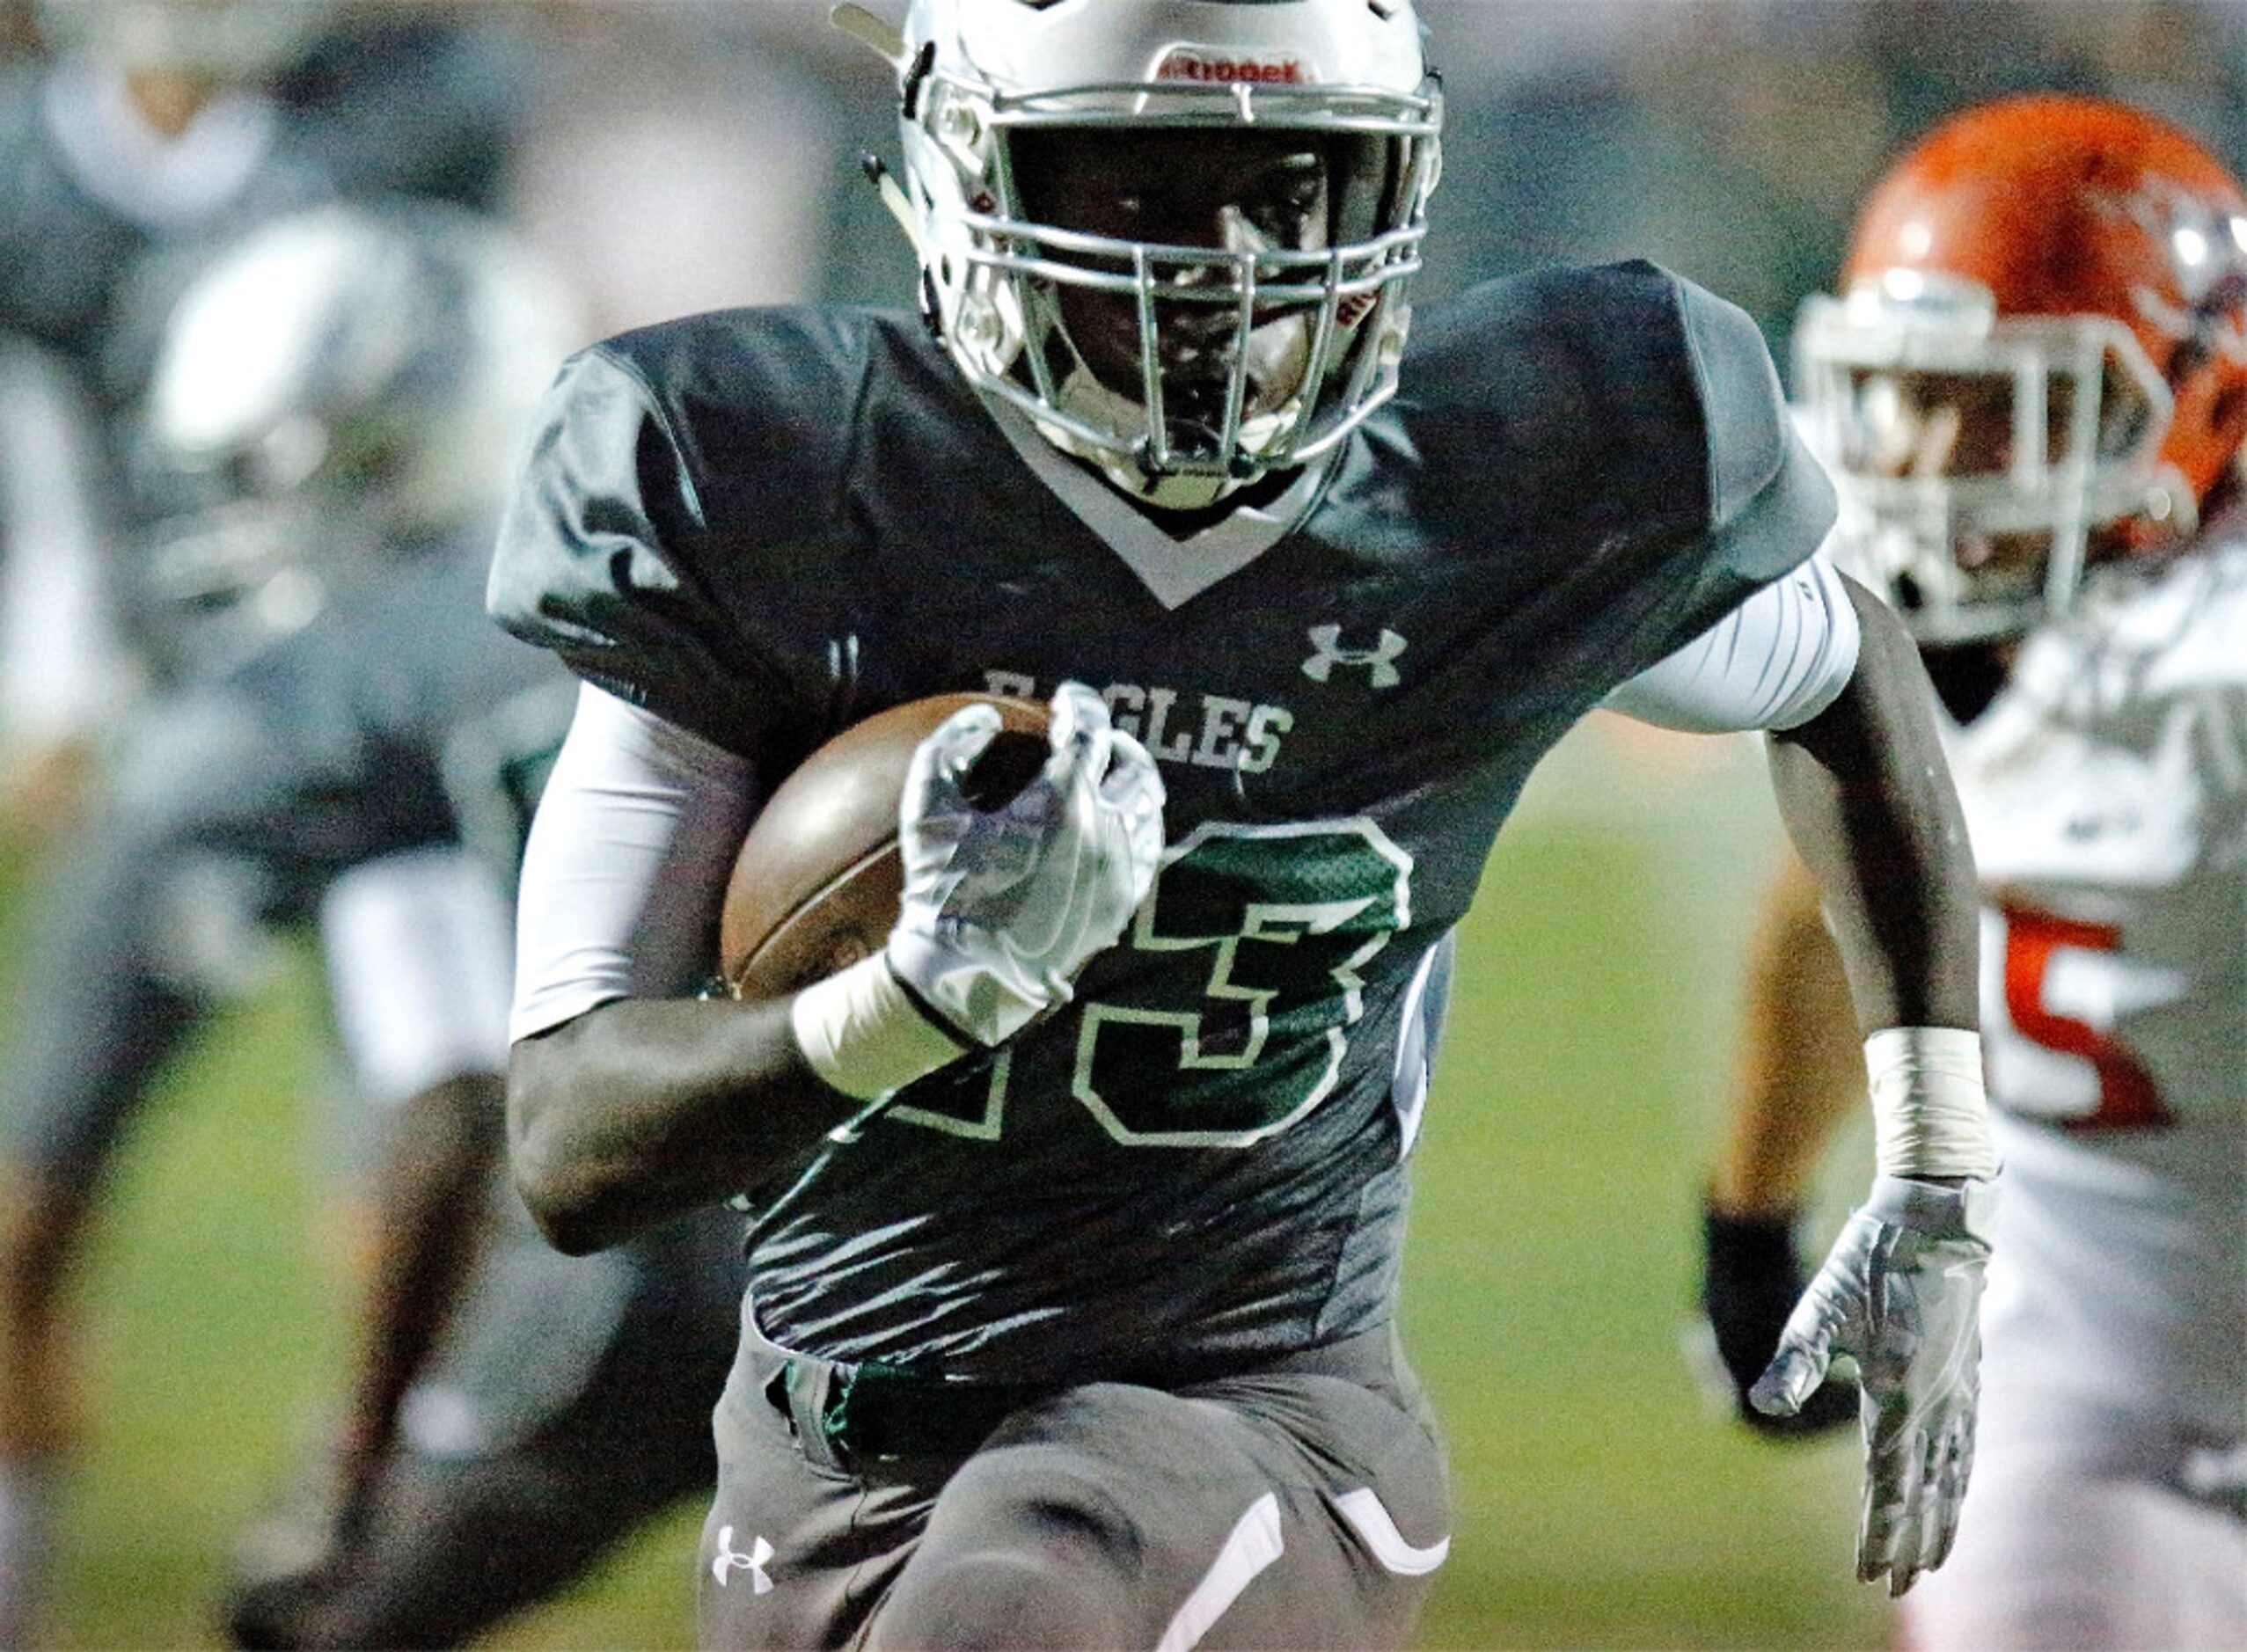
pixel 815 886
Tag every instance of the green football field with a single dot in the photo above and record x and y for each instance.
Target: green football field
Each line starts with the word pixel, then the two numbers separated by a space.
pixel 1599 1502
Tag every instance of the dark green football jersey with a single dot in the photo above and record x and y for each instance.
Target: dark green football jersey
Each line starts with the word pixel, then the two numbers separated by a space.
pixel 765 525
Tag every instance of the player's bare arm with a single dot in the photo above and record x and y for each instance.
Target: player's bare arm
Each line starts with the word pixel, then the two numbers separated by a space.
pixel 643 1107
pixel 1867 799
pixel 1800 1072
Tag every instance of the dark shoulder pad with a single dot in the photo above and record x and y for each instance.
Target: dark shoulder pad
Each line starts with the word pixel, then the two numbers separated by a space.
pixel 1742 404
pixel 760 404
pixel 1559 406
pixel 1616 427
pixel 688 502
pixel 599 550
pixel 1623 375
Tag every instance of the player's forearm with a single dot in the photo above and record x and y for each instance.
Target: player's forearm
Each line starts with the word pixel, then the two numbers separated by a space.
pixel 1800 1070
pixel 643 1108
pixel 1868 800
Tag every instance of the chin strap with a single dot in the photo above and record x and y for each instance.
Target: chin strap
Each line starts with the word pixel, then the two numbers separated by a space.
pixel 893 197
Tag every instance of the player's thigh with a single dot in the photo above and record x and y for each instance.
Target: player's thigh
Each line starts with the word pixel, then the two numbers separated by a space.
pixel 2055 1550
pixel 1286 1510
pixel 459 1547
pixel 570 1405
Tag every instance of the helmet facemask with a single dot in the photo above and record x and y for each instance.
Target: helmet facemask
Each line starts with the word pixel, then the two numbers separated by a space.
pixel 1188 283
pixel 1981 462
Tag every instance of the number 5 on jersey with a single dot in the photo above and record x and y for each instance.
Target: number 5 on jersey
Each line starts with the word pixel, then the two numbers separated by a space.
pixel 2037 947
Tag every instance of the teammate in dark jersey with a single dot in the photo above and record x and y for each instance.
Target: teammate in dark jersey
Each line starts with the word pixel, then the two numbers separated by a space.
pixel 140 142
pixel 1071 1304
pixel 147 136
pixel 295 777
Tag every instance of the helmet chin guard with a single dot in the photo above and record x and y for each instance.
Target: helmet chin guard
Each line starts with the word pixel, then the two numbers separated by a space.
pixel 1307 341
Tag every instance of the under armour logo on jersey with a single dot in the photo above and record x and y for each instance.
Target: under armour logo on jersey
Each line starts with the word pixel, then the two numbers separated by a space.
pixel 731 1560
pixel 1378 661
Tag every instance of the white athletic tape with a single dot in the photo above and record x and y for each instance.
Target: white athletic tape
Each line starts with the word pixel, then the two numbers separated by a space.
pixel 862 1035
pixel 1930 1117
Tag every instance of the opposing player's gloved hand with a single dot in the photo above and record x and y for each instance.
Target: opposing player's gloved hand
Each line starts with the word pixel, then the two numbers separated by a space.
pixel 1001 907
pixel 1752 1276
pixel 1899 1293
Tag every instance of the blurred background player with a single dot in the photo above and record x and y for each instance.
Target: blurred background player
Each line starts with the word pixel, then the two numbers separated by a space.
pixel 143 135
pixel 2032 390
pixel 141 139
pixel 59 651
pixel 151 137
pixel 507 1403
pixel 338 402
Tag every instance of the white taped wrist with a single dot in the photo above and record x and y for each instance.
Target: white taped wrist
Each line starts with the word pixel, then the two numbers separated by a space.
pixel 862 1034
pixel 1930 1117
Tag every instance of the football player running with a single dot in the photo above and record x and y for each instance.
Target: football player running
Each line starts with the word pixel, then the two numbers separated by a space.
pixel 2032 390
pixel 1077 1209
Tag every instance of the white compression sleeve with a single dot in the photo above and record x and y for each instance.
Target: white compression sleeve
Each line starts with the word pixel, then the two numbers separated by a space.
pixel 1775 661
pixel 626 865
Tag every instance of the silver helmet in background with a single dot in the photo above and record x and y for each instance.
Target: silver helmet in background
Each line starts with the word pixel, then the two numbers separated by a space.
pixel 335 388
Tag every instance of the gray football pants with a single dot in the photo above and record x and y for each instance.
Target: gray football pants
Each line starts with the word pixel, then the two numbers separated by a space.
pixel 1300 1504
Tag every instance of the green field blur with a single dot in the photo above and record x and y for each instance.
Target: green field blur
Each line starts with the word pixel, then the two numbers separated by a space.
pixel 1599 1502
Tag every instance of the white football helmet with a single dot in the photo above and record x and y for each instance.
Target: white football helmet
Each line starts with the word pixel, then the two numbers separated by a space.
pixel 1293 340
pixel 339 385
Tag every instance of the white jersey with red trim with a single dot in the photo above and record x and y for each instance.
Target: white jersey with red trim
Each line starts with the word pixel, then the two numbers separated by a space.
pixel 2106 792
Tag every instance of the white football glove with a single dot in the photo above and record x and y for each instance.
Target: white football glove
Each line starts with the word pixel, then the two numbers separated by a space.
pixel 1900 1294
pixel 1002 906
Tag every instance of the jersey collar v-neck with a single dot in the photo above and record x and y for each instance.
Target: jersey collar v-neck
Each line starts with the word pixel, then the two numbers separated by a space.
pixel 1175 571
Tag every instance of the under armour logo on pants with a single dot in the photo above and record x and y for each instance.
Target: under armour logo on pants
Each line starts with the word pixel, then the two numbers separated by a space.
pixel 731 1560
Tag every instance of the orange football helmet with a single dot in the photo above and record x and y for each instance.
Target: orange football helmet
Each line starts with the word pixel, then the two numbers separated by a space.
pixel 2038 355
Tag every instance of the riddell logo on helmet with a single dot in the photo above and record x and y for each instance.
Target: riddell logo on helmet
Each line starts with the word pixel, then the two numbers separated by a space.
pixel 1208 66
